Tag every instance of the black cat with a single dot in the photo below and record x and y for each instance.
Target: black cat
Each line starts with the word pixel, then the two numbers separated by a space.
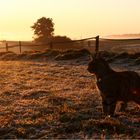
pixel 115 86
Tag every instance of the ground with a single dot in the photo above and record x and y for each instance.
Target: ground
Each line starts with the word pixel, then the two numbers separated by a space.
pixel 58 99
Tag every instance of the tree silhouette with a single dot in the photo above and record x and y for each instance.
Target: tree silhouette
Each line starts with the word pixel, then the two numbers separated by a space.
pixel 43 29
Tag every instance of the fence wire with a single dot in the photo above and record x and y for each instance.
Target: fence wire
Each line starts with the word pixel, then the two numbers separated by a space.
pixel 120 45
pixel 63 45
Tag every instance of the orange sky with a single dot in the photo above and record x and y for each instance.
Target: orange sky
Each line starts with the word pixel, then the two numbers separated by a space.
pixel 74 18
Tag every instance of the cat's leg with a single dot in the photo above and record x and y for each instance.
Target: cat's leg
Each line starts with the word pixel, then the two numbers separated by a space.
pixel 109 105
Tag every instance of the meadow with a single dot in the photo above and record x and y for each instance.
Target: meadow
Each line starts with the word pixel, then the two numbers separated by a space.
pixel 50 95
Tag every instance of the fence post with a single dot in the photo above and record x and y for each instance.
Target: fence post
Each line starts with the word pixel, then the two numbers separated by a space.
pixel 82 44
pixel 6 47
pixel 97 44
pixel 89 44
pixel 51 45
pixel 20 46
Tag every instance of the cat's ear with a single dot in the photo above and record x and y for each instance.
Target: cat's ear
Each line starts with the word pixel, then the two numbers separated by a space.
pixel 94 56
pixel 91 56
pixel 99 55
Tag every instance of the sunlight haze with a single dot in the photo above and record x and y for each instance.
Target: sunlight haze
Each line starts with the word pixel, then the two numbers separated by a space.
pixel 73 18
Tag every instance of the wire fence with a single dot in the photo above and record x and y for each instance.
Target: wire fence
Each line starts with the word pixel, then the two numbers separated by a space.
pixel 120 45
pixel 20 47
pixel 92 44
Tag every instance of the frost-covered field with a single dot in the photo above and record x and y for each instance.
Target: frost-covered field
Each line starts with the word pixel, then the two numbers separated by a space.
pixel 58 99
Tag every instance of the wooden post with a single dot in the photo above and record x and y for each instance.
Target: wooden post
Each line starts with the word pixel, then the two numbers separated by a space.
pixel 97 44
pixel 20 46
pixel 6 47
pixel 82 44
pixel 89 43
pixel 51 45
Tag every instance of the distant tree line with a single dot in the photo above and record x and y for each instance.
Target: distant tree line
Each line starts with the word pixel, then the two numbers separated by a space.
pixel 44 31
